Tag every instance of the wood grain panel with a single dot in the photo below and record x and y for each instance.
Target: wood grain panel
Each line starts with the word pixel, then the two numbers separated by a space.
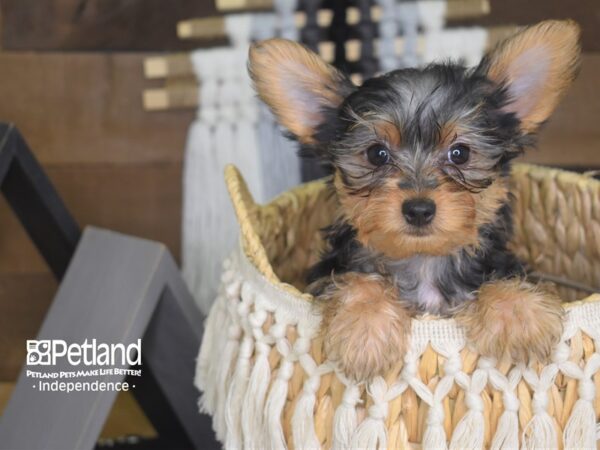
pixel 24 300
pixel 87 107
pixel 98 24
pixel 519 12
pixel 142 200
pixel 150 24
pixel 18 255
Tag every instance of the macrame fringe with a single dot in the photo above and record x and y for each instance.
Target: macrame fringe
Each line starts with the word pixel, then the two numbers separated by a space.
pixel 273 411
pixel 539 433
pixel 254 400
pixel 274 407
pixel 228 356
pixel 468 434
pixel 371 434
pixel 234 437
pixel 507 432
pixel 204 360
pixel 227 131
pixel 221 379
pixel 580 432
pixel 278 158
pixel 248 159
pixel 205 378
pixel 345 419
pixel 303 422
pixel 235 396
pixel 196 200
pixel 435 437
pixel 435 434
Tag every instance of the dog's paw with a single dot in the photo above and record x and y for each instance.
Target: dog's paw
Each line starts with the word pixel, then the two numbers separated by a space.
pixel 366 328
pixel 514 318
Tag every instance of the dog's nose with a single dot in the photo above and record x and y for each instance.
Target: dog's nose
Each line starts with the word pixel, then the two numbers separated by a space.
pixel 418 211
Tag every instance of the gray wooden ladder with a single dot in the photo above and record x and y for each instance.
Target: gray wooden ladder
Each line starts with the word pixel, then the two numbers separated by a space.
pixel 116 289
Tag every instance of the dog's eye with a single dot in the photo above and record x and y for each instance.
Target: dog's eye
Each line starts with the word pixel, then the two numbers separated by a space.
pixel 378 155
pixel 459 153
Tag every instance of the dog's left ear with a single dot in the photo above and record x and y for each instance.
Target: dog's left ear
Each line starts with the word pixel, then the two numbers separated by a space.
pixel 535 66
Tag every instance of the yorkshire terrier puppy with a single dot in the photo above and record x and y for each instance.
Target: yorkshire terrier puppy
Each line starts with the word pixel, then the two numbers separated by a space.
pixel 421 161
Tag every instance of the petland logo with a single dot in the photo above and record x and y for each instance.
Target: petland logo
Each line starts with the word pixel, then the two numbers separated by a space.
pixel 48 352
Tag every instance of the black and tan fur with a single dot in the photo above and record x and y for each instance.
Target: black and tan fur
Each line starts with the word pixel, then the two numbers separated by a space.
pixel 458 263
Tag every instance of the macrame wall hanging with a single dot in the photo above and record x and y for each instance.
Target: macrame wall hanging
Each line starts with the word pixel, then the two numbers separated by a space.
pixel 231 127
pixel 435 43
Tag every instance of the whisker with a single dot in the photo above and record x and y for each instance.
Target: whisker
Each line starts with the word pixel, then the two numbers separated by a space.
pixel 473 186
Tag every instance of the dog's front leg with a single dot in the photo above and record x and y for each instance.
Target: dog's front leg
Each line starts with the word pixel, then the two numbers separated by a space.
pixel 513 317
pixel 365 325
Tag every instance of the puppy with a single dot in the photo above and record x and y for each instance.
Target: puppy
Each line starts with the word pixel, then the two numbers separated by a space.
pixel 421 161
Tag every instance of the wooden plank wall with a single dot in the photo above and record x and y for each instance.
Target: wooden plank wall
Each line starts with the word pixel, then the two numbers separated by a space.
pixel 98 24
pixel 520 12
pixel 114 164
pixel 149 25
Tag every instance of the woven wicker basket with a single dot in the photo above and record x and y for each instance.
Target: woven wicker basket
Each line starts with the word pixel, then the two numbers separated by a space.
pixel 268 383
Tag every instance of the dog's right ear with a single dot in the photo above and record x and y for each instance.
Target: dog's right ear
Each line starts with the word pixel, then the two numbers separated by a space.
pixel 297 84
pixel 535 67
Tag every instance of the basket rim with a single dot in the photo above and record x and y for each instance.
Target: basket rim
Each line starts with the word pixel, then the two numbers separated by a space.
pixel 302 302
pixel 254 252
